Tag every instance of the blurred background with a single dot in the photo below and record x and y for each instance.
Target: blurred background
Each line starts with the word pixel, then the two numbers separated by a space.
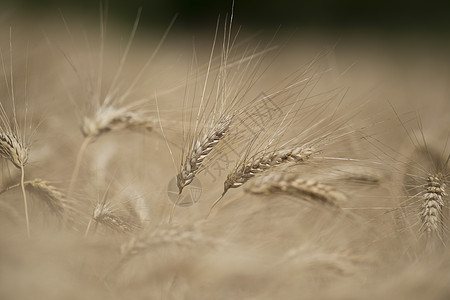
pixel 387 17
pixel 399 47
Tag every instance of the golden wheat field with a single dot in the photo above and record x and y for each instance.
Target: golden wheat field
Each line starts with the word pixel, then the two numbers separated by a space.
pixel 233 165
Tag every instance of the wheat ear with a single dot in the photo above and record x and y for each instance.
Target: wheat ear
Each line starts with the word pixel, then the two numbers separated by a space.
pixel 13 149
pixel 201 148
pixel 292 184
pixel 52 196
pixel 107 119
pixel 431 210
pixel 263 162
pixel 179 235
pixel 104 214
pixel 246 170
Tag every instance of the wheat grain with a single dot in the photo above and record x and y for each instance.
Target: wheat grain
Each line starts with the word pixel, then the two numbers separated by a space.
pixel 292 184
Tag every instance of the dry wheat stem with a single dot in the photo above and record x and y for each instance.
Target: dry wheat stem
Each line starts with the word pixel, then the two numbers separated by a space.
pixel 25 200
pixel 172 212
pixel 431 210
pixel 14 150
pixel 76 170
pixel 292 184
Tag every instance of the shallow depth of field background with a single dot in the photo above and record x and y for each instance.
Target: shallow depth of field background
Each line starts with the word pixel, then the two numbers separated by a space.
pixel 389 58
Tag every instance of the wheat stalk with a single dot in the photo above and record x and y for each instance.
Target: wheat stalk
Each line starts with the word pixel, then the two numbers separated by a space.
pixel 13 146
pixel 14 149
pixel 292 184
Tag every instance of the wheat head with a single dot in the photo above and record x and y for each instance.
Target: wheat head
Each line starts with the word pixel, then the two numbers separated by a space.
pixel 433 202
pixel 265 161
pixel 293 184
pixel 202 147
pixel 109 118
pixel 13 149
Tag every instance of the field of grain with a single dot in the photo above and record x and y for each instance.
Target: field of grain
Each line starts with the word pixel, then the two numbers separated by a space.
pixel 154 165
